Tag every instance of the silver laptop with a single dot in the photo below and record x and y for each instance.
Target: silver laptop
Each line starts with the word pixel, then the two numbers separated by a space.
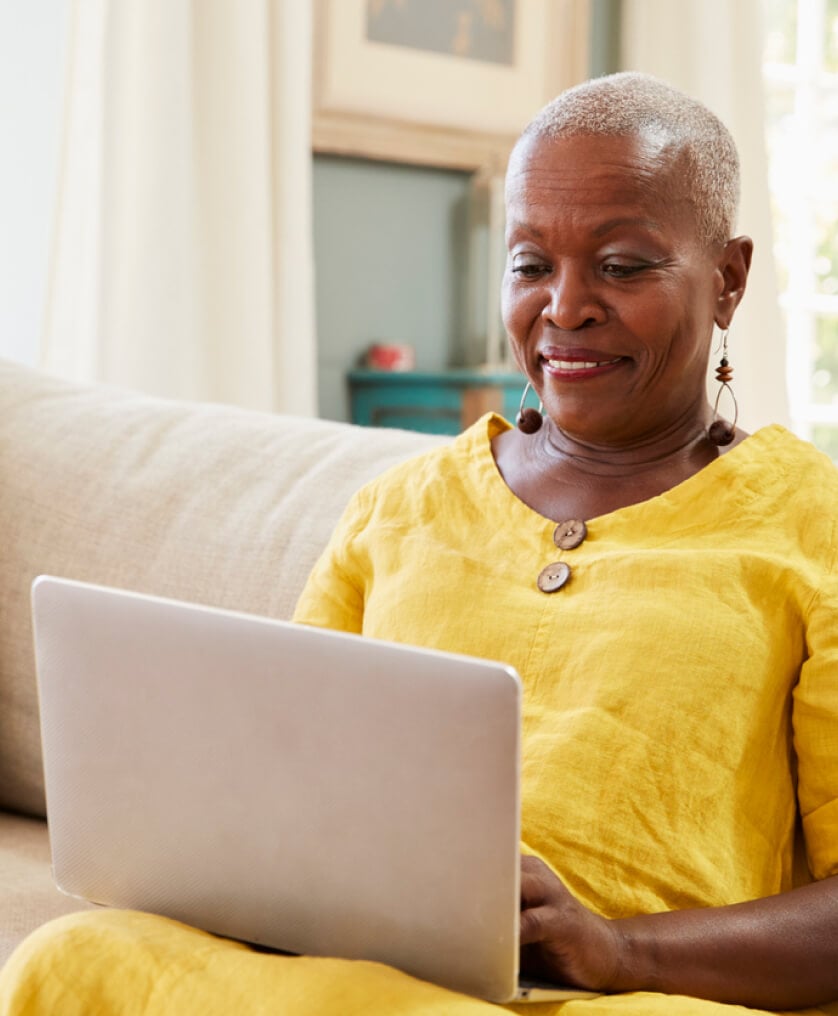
pixel 304 790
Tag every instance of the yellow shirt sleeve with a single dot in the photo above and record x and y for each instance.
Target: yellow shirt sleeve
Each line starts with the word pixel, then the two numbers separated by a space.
pixel 334 594
pixel 815 718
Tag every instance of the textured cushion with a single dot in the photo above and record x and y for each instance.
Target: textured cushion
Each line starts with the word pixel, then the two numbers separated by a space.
pixel 199 502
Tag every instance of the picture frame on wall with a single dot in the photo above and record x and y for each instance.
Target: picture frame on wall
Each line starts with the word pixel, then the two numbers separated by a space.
pixel 447 83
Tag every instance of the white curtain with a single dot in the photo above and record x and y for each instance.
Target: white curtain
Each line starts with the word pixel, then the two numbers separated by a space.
pixel 712 49
pixel 182 253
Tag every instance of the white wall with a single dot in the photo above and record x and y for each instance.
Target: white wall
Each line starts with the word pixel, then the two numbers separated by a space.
pixel 33 44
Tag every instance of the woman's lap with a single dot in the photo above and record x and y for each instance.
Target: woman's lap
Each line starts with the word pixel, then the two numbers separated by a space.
pixel 124 963
pixel 133 964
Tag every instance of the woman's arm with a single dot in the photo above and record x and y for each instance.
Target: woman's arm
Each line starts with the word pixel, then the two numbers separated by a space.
pixel 775 953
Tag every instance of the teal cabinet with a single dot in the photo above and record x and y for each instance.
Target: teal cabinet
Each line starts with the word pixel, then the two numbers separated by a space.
pixel 434 402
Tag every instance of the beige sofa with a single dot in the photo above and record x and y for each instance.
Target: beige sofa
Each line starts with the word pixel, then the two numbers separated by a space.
pixel 198 502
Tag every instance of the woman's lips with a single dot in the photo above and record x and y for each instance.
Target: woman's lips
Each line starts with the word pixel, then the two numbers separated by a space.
pixel 578 366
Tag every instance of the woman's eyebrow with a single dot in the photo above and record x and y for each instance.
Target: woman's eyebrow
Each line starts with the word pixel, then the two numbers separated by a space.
pixel 518 226
pixel 627 220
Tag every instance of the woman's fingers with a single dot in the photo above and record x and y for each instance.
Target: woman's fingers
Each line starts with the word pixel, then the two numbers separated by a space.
pixel 539 885
pixel 560 938
pixel 543 901
pixel 532 927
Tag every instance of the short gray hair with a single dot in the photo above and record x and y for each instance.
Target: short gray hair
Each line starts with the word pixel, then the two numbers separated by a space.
pixel 627 104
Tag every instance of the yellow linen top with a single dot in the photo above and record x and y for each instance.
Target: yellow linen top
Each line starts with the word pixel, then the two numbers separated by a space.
pixel 671 688
pixel 681 696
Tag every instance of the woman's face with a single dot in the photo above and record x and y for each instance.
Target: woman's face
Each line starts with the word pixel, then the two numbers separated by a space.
pixel 609 297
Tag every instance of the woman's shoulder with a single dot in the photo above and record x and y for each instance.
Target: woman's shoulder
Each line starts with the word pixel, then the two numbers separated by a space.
pixel 784 459
pixel 792 490
pixel 444 471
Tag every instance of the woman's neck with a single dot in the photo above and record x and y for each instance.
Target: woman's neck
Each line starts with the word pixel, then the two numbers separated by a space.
pixel 561 477
pixel 684 446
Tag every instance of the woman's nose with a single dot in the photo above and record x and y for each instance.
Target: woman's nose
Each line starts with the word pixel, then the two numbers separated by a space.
pixel 572 302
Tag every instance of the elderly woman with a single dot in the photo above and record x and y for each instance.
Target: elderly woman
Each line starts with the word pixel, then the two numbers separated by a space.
pixel 664 583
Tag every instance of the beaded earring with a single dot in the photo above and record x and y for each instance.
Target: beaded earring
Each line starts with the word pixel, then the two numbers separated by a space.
pixel 721 432
pixel 529 420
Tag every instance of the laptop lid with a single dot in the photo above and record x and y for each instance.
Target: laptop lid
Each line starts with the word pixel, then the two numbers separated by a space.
pixel 308 790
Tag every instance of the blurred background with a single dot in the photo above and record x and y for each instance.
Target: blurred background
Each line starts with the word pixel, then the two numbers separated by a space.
pixel 294 205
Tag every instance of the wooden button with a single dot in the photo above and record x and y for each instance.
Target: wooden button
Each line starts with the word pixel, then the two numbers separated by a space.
pixel 553 577
pixel 569 534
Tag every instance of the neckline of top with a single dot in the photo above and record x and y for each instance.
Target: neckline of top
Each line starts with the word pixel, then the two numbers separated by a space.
pixel 732 465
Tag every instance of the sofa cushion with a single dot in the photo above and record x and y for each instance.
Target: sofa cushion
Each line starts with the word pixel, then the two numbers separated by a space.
pixel 200 502
pixel 26 888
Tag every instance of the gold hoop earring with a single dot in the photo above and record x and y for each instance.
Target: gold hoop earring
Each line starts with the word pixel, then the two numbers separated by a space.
pixel 529 420
pixel 721 432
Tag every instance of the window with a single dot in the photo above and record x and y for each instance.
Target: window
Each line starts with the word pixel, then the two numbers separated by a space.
pixel 800 68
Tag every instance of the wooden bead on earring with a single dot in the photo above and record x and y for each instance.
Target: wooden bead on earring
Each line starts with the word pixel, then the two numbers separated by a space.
pixel 529 420
pixel 720 432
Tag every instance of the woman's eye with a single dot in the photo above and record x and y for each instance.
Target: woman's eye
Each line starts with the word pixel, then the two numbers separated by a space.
pixel 529 269
pixel 622 271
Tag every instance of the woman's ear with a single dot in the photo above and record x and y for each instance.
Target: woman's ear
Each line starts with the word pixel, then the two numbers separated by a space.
pixel 734 265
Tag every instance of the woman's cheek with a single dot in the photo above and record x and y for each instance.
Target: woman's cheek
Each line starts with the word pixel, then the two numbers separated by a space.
pixel 519 310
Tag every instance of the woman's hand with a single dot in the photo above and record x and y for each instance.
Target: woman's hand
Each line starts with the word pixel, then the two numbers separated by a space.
pixel 780 952
pixel 561 940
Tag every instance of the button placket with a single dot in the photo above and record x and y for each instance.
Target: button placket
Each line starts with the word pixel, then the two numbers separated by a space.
pixel 567 536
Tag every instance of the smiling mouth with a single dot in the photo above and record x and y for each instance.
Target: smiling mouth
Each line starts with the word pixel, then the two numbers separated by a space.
pixel 581 364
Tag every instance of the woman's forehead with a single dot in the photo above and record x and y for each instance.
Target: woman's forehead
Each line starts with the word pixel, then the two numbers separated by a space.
pixel 548 177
